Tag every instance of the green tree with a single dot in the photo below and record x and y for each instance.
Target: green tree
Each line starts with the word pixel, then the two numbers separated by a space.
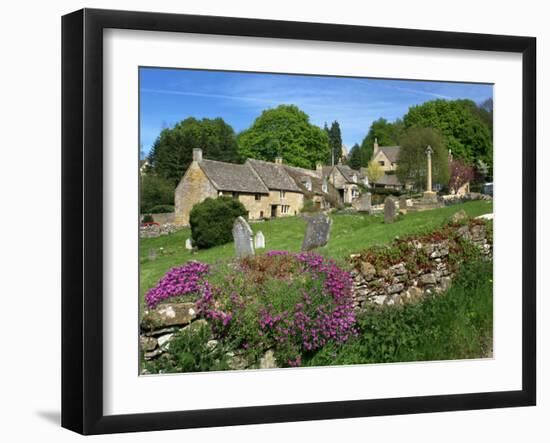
pixel 412 164
pixel 387 133
pixel 374 172
pixel 354 157
pixel 285 131
pixel 459 122
pixel 212 221
pixel 154 191
pixel 335 141
pixel 173 150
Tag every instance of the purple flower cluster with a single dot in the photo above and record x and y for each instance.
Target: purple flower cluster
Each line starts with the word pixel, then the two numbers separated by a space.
pixel 188 279
pixel 319 311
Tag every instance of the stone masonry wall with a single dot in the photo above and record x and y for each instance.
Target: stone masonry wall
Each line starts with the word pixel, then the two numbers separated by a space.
pixel 193 188
pixel 428 268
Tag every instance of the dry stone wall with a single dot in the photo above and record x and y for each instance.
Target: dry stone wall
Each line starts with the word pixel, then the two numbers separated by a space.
pixel 427 265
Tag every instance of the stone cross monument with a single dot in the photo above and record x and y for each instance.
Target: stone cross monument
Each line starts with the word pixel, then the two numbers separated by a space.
pixel 429 194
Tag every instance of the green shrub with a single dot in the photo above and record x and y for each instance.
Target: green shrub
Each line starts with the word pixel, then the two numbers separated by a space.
pixel 212 221
pixel 147 218
pixel 154 191
pixel 161 209
pixel 191 351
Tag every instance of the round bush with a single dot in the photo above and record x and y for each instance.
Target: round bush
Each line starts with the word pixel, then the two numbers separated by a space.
pixel 212 221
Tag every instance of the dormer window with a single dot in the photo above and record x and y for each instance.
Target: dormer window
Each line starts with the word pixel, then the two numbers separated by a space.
pixel 307 183
pixel 354 178
pixel 325 186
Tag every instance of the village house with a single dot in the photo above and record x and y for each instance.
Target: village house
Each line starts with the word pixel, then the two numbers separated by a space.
pixel 387 158
pixel 346 181
pixel 315 186
pixel 265 189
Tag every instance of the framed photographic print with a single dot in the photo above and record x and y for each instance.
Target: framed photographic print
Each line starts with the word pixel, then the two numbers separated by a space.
pixel 269 221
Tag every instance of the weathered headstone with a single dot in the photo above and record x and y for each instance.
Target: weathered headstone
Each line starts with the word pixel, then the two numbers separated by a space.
pixel 242 236
pixel 259 240
pixel 189 244
pixel 365 202
pixel 317 232
pixel 403 204
pixel 152 255
pixel 389 210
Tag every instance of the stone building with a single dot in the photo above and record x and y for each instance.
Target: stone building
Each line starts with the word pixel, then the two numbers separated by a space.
pixel 387 158
pixel 346 181
pixel 315 186
pixel 265 189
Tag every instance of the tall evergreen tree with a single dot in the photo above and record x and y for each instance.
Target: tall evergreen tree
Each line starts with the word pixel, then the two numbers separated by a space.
pixel 335 140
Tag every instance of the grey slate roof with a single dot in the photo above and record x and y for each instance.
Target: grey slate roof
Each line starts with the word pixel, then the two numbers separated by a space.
pixel 346 172
pixel 299 175
pixel 232 177
pixel 273 175
pixel 392 152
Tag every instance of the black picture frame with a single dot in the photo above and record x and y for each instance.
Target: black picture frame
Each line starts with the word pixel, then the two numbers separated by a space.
pixel 82 218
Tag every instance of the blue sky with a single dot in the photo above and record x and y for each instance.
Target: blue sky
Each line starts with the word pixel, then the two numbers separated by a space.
pixel 170 95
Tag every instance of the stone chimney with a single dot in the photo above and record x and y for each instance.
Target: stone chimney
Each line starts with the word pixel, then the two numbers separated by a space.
pixel 197 155
pixel 279 160
pixel 376 147
pixel 319 167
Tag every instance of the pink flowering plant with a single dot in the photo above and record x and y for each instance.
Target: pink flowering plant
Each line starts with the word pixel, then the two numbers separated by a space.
pixel 182 282
pixel 292 303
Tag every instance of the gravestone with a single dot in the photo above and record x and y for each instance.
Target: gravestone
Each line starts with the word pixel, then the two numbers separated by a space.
pixel 189 244
pixel 317 232
pixel 242 236
pixel 389 210
pixel 365 202
pixel 152 255
pixel 259 240
pixel 403 204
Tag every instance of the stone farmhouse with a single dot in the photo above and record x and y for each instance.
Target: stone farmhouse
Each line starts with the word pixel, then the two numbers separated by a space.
pixel 387 158
pixel 266 189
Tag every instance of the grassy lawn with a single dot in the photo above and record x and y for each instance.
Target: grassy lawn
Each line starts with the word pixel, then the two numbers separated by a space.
pixel 349 234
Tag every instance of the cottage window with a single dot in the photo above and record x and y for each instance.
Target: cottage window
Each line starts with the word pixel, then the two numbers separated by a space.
pixel 325 187
pixel 282 194
pixel 235 195
pixel 258 197
pixel 381 163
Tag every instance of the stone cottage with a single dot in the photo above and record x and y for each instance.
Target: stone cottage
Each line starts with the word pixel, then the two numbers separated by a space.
pixel 315 186
pixel 265 189
pixel 387 158
pixel 345 180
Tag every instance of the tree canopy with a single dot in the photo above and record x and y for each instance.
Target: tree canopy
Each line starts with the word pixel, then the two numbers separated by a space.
pixel 460 122
pixel 155 191
pixel 387 133
pixel 412 164
pixel 173 150
pixel 285 131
